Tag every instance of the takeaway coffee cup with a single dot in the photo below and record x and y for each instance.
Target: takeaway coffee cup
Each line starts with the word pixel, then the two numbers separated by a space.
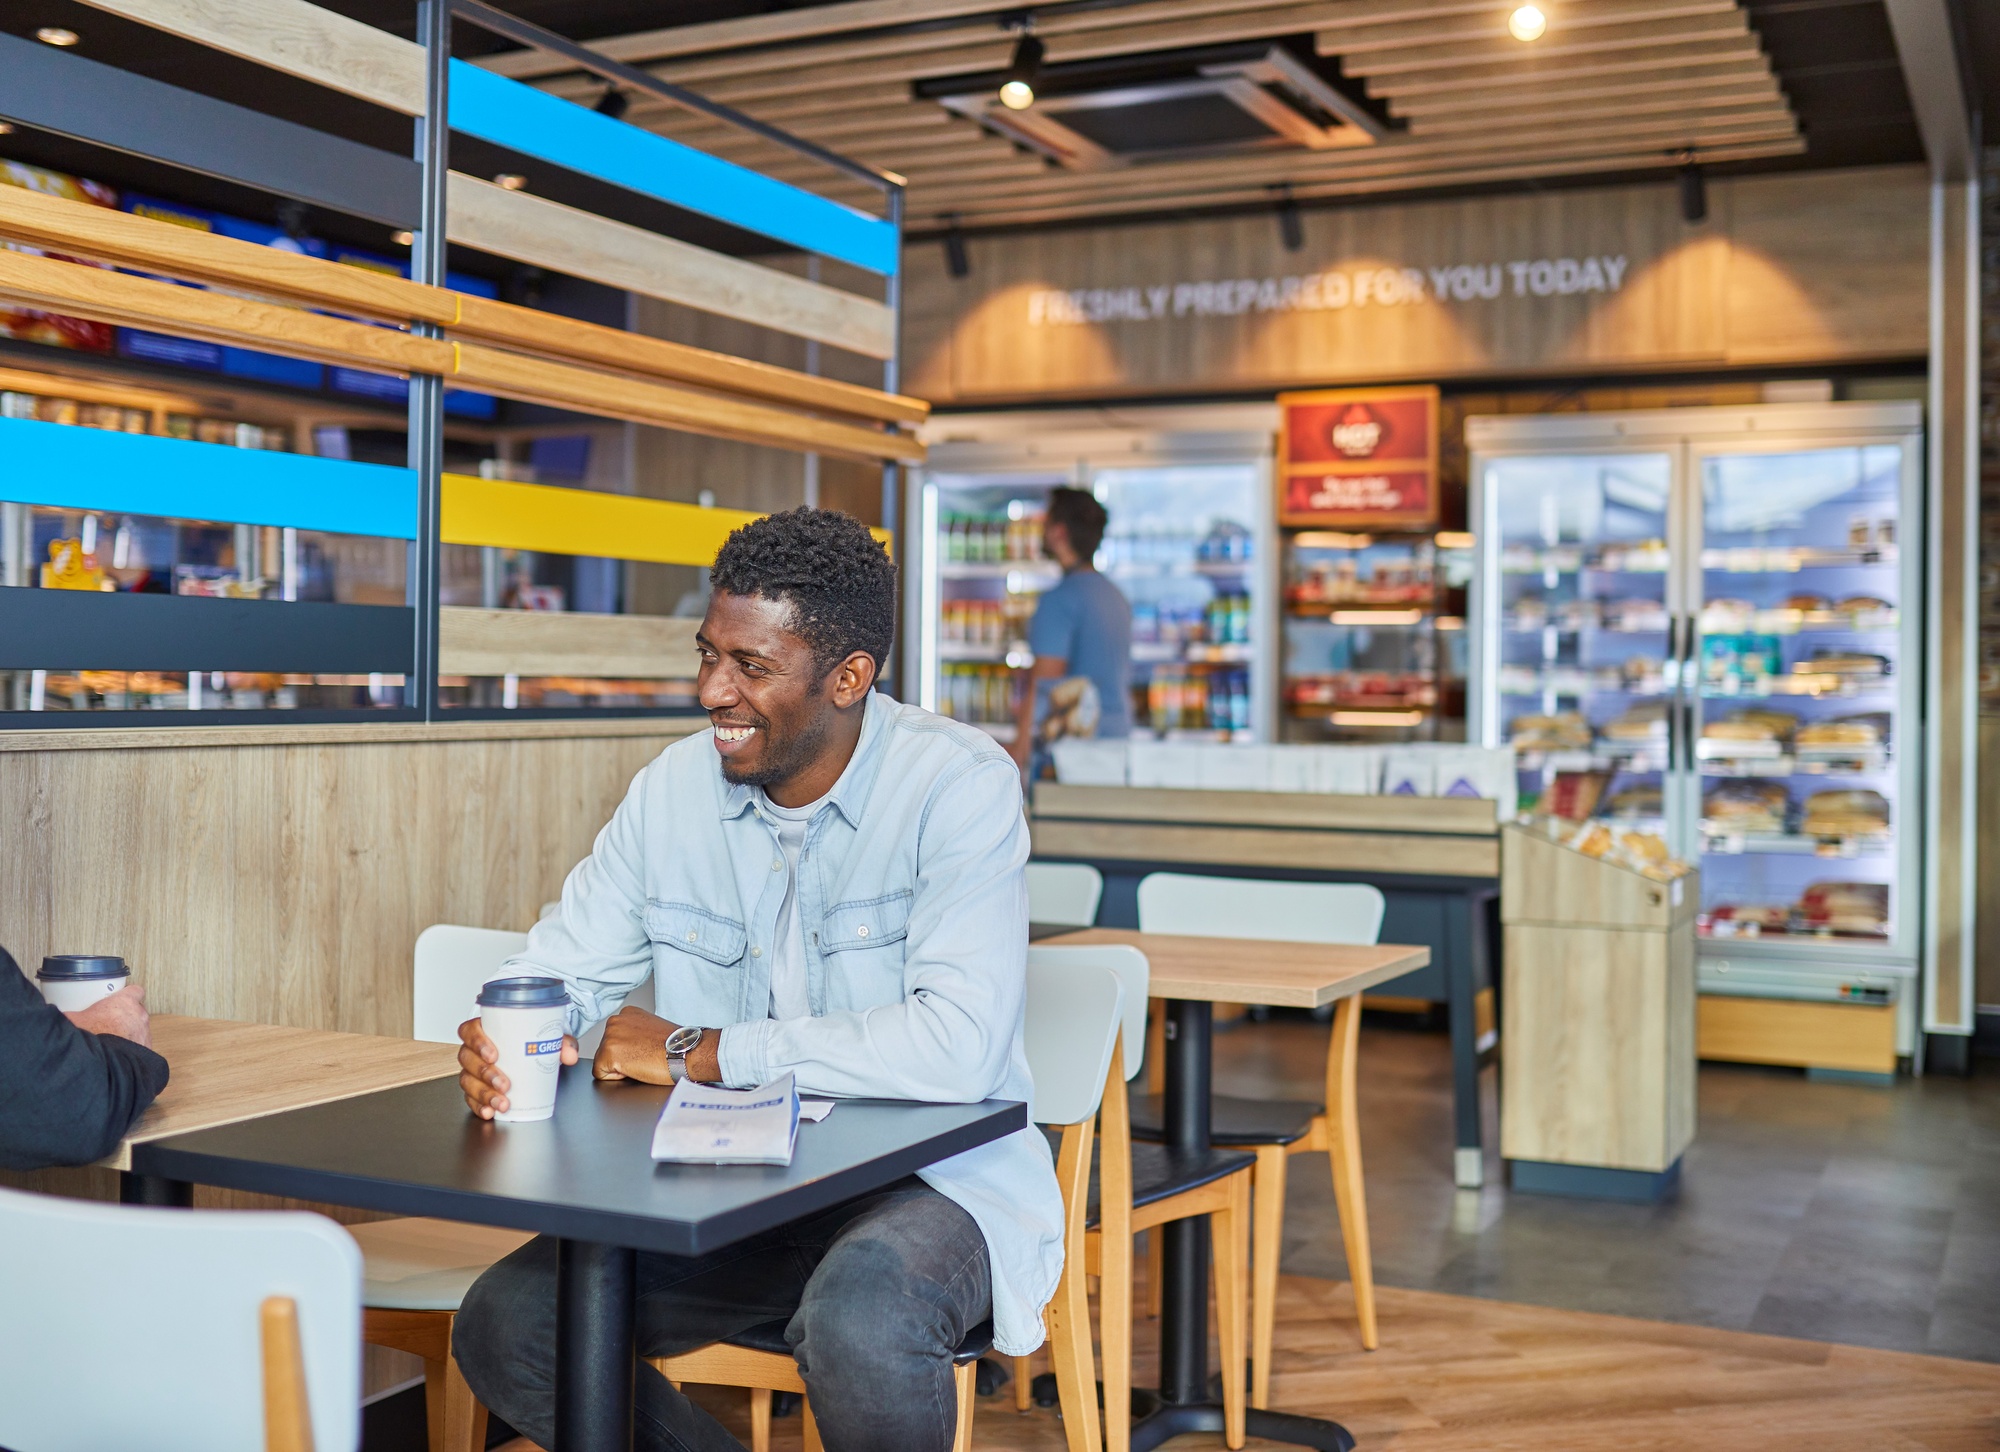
pixel 74 981
pixel 526 1018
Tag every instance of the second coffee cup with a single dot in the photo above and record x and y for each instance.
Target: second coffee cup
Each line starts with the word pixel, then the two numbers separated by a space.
pixel 526 1019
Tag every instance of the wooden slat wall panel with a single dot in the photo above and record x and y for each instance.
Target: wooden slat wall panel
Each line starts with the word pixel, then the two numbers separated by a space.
pixel 287 884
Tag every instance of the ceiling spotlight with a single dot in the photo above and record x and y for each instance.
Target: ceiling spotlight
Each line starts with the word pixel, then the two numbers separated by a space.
pixel 511 181
pixel 1291 226
pixel 6 128
pixel 57 35
pixel 403 239
pixel 1527 23
pixel 1017 92
pixel 613 103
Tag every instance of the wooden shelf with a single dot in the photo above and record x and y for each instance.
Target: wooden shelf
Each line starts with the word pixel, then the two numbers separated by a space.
pixel 475 642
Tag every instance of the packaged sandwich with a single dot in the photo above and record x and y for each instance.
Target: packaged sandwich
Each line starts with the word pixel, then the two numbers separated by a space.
pixel 1746 806
pixel 1751 725
pixel 1870 728
pixel 1842 663
pixel 1747 919
pixel 1567 731
pixel 1845 907
pixel 1635 801
pixel 1645 722
pixel 1845 814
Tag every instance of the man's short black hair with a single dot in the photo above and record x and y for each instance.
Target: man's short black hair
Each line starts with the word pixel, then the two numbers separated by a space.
pixel 1078 512
pixel 834 574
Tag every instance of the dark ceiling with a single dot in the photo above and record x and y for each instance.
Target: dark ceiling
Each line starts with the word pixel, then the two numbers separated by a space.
pixel 1836 60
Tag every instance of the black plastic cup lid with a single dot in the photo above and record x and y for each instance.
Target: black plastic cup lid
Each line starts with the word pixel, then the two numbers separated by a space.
pixel 74 966
pixel 523 993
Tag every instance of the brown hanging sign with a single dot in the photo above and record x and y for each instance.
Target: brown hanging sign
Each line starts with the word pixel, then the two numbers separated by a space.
pixel 1359 458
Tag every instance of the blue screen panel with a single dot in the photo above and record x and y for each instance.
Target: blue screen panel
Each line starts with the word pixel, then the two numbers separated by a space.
pixel 535 123
pixel 62 467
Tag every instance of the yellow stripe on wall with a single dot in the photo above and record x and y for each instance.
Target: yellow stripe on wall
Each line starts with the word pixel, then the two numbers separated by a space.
pixel 505 515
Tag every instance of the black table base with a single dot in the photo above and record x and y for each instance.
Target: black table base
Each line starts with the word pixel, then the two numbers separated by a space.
pixel 1185 1403
pixel 595 1295
pixel 154 1190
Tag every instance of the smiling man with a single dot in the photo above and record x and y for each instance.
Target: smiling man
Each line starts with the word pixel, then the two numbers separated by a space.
pixel 828 884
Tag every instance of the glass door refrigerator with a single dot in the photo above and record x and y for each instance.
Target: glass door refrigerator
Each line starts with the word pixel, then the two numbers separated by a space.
pixel 1188 544
pixel 1703 623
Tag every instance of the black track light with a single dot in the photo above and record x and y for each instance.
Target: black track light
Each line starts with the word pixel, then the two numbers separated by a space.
pixel 956 262
pixel 1291 225
pixel 613 103
pixel 1017 92
pixel 1694 193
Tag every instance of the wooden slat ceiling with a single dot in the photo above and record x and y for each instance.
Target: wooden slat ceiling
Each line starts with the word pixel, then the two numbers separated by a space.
pixel 1614 86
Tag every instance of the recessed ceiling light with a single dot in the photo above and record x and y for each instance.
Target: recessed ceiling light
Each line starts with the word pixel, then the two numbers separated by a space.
pixel 56 35
pixel 403 239
pixel 1527 23
pixel 512 181
pixel 6 128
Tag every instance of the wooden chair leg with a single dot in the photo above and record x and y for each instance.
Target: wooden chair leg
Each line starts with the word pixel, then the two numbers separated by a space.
pixel 1344 1152
pixel 813 1443
pixel 457 1419
pixel 1156 1270
pixel 1114 1334
pixel 1228 1240
pixel 1023 1395
pixel 966 1377
pixel 760 1420
pixel 1267 1239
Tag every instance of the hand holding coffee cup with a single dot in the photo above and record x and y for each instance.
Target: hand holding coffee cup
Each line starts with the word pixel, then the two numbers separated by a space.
pixel 511 1054
pixel 74 981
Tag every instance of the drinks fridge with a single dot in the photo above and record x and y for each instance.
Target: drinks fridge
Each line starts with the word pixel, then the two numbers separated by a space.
pixel 1707 623
pixel 1188 544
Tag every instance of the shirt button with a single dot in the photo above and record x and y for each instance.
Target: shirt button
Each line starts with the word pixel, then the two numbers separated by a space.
pixel 777 864
pixel 692 936
pixel 756 952
pixel 862 931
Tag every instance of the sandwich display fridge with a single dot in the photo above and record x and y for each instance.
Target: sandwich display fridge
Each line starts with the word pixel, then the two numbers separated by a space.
pixel 1188 542
pixel 1705 624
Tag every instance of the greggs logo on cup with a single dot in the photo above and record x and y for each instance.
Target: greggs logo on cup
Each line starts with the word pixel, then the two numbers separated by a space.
pixel 526 1018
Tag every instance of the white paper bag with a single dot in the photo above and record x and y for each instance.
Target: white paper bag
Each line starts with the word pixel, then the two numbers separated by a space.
pixel 1082 761
pixel 1236 768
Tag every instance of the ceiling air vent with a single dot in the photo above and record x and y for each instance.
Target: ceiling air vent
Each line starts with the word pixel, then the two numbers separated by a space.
pixel 1218 101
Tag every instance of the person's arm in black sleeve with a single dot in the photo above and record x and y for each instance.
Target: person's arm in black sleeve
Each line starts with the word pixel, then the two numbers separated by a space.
pixel 67 1096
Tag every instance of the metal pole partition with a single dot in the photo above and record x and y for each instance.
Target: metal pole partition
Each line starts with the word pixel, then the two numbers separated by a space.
pixel 427 265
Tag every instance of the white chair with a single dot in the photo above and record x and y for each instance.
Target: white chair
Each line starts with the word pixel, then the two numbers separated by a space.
pixel 176 1330
pixel 1301 912
pixel 1071 1034
pixel 452 963
pixel 1143 1187
pixel 1064 894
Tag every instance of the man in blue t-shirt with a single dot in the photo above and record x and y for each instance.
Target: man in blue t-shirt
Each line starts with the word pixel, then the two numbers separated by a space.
pixel 1082 627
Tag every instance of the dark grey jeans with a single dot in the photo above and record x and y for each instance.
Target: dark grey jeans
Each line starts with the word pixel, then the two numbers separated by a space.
pixel 880 1292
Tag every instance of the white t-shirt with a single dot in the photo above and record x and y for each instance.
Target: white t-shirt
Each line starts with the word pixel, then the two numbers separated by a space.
pixel 790 997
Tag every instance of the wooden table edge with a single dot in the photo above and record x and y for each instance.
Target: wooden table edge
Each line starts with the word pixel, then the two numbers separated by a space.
pixel 121 1158
pixel 1410 957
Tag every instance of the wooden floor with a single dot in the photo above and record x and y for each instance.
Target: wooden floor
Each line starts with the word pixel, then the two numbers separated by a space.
pixel 1456 1374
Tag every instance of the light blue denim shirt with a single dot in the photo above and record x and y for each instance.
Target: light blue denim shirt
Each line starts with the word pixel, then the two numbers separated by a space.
pixel 915 910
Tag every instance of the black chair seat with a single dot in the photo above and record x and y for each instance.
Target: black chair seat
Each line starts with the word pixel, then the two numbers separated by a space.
pixel 1159 1172
pixel 770 1336
pixel 1231 1121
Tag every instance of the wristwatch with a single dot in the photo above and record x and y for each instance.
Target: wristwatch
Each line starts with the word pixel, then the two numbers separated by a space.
pixel 680 1043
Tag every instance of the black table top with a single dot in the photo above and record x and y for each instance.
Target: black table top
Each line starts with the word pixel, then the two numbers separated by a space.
pixel 585 1174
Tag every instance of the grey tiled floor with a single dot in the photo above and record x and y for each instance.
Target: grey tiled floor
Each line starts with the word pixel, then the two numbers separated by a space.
pixel 1838 1212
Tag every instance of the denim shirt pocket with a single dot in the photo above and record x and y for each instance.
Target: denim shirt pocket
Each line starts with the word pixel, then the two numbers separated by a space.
pixel 697 963
pixel 862 944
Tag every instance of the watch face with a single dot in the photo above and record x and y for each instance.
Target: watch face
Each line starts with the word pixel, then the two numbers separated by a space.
pixel 681 1040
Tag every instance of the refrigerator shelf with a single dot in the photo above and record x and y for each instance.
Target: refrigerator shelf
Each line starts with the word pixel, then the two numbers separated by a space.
pixel 1792 844
pixel 1754 561
pixel 1819 684
pixel 1800 622
pixel 1045 570
pixel 1014 654
pixel 1779 767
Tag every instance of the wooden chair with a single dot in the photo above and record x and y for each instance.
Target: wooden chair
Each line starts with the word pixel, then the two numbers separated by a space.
pixel 230 1330
pixel 1065 894
pixel 1071 1035
pixel 1275 1130
pixel 1143 1187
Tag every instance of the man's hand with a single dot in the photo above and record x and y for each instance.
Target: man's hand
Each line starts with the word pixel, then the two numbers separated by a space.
pixel 122 1014
pixel 635 1047
pixel 478 1075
